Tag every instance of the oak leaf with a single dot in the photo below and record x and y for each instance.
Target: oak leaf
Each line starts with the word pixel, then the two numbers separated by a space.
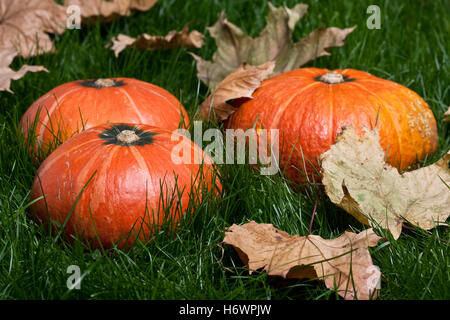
pixel 241 83
pixel 357 178
pixel 107 11
pixel 7 74
pixel 274 43
pixel 25 24
pixel 343 263
pixel 174 39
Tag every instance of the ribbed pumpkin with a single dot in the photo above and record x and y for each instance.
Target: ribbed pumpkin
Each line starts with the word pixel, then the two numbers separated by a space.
pixel 71 107
pixel 124 177
pixel 309 107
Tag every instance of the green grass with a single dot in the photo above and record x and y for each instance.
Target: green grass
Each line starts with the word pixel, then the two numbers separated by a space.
pixel 411 48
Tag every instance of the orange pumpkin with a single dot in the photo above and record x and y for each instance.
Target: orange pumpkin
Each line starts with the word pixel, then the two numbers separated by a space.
pixel 309 107
pixel 125 178
pixel 71 107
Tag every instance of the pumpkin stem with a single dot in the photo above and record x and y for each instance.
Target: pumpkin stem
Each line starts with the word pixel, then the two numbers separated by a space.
pixel 127 136
pixel 101 83
pixel 332 77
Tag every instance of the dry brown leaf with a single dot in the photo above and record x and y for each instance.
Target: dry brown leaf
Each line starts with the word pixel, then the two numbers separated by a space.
pixel 142 5
pixel 274 43
pixel 447 115
pixel 25 24
pixel 239 84
pixel 357 178
pixel 108 10
pixel 344 263
pixel 7 74
pixel 174 39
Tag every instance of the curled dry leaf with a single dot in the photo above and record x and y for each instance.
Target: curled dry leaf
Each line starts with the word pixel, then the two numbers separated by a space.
pixel 108 10
pixel 344 263
pixel 25 24
pixel 447 115
pixel 7 74
pixel 239 84
pixel 274 43
pixel 357 178
pixel 174 39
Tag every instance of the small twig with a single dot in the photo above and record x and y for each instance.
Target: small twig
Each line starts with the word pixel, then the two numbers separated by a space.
pixel 313 214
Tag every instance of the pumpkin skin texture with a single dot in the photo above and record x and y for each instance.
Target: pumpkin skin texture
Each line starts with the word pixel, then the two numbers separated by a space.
pixel 130 173
pixel 310 106
pixel 71 107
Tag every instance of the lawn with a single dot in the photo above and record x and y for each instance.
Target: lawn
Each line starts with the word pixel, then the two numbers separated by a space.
pixel 411 48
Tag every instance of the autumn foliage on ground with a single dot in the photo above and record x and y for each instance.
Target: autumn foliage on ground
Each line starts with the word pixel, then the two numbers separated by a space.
pixel 358 188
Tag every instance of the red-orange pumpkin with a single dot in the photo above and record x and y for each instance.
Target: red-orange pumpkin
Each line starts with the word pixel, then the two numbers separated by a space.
pixel 71 107
pixel 309 107
pixel 124 177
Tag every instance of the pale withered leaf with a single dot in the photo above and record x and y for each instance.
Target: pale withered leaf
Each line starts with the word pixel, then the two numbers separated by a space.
pixel 357 178
pixel 447 115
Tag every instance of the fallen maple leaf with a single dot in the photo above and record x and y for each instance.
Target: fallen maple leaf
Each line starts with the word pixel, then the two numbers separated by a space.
pixel 241 83
pixel 142 5
pixel 174 39
pixel 357 178
pixel 274 43
pixel 107 11
pixel 7 74
pixel 447 115
pixel 25 24
pixel 343 263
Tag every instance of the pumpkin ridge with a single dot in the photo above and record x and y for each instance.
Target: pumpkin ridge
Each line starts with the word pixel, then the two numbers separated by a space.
pixel 95 102
pixel 135 108
pixel 184 142
pixel 177 108
pixel 80 182
pixel 139 159
pixel 284 78
pixel 419 106
pixel 311 72
pixel 383 104
pixel 102 173
pixel 189 171
pixel 332 125
pixel 201 152
pixel 49 164
pixel 148 170
pixel 281 110
pixel 377 81
pixel 49 112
